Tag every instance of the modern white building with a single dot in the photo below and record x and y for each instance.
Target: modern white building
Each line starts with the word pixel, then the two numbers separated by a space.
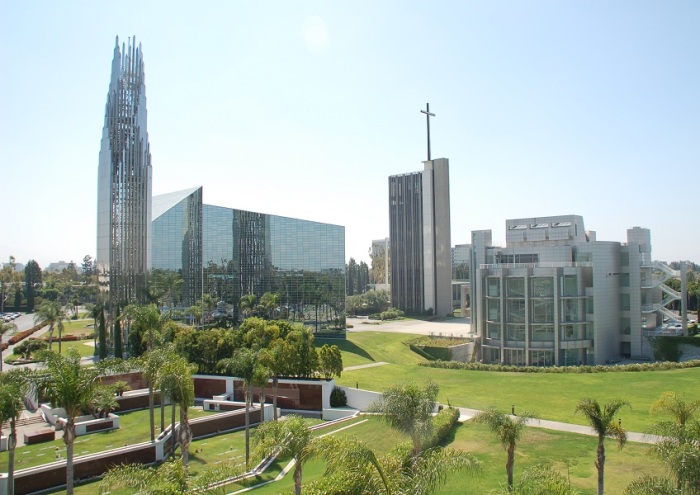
pixel 419 230
pixel 555 295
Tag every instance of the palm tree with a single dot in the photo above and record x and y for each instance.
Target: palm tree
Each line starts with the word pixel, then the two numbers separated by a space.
pixel 289 438
pixel 243 365
pixel 14 385
pixel 51 313
pixel 409 409
pixel 151 365
pixel 5 327
pixel 247 304
pixel 176 383
pixel 678 447
pixel 509 429
pixel 603 423
pixel 67 384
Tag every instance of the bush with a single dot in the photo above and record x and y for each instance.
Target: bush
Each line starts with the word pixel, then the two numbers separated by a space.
pixel 658 366
pixel 26 348
pixel 338 397
pixel 443 422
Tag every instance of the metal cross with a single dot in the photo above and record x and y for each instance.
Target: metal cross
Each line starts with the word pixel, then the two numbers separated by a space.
pixel 427 120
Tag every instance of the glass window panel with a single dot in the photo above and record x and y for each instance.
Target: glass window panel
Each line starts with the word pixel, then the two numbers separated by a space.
pixel 542 287
pixel 516 286
pixel 494 286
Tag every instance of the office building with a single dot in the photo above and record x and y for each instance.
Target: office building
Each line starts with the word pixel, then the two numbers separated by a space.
pixel 419 230
pixel 124 182
pixel 555 295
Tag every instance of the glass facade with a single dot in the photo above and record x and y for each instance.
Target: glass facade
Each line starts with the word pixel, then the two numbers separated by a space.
pixel 227 253
pixel 302 262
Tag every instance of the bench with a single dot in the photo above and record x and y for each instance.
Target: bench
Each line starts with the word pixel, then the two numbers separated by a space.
pixel 43 435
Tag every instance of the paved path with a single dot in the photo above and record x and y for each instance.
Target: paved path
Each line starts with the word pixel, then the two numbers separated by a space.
pixel 466 414
pixel 449 327
pixel 360 366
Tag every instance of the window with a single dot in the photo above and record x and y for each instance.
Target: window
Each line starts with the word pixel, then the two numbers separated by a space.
pixel 542 333
pixel 516 332
pixel 568 332
pixel 624 258
pixel 492 355
pixel 625 302
pixel 542 286
pixel 626 326
pixel 493 286
pixel 569 310
pixel 494 330
pixel 514 356
pixel 515 311
pixel 542 310
pixel 569 286
pixel 494 309
pixel 516 286
pixel 541 358
pixel 589 305
pixel 625 280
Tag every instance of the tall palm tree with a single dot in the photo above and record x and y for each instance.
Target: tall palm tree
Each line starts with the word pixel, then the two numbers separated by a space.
pixel 176 383
pixel 409 408
pixel 602 420
pixel 509 429
pixel 51 313
pixel 292 437
pixel 151 365
pixel 67 384
pixel 247 304
pixel 243 365
pixel 14 385
pixel 5 327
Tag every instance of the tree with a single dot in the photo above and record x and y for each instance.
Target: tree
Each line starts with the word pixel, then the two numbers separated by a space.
pixel 292 437
pixel 247 304
pixel 330 361
pixel 144 325
pixel 542 480
pixel 602 420
pixel 14 385
pixel 509 429
pixel 32 280
pixel 152 364
pixel 269 302
pixel 302 356
pixel 68 385
pixel 5 327
pixel 51 313
pixel 176 383
pixel 102 334
pixel 118 350
pixel 409 408
pixel 243 365
pixel 678 447
pixel 275 358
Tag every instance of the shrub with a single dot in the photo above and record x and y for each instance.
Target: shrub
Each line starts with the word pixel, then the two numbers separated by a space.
pixel 443 422
pixel 636 367
pixel 338 397
pixel 26 348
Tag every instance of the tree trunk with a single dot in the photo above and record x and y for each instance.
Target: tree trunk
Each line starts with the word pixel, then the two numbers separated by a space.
pixel 162 411
pixel 59 339
pixel 297 478
pixel 11 443
pixel 50 336
pixel 274 398
pixel 509 466
pixel 172 429
pixel 185 437
pixel 600 465
pixel 150 411
pixel 249 393
pixel 68 439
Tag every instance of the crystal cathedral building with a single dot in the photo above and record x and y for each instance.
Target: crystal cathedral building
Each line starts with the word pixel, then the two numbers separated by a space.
pixel 219 252
pixel 227 253
pixel 124 181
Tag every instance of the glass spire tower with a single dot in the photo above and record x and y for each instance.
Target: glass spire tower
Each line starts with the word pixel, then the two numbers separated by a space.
pixel 124 181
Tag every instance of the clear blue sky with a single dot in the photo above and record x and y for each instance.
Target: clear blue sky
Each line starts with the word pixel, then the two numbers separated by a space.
pixel 304 109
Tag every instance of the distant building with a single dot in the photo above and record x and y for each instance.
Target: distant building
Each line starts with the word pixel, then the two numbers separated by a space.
pixel 419 230
pixel 59 266
pixel 557 296
pixel 228 253
pixel 124 182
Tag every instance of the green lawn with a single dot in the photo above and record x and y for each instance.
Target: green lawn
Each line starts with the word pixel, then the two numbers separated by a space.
pixel 548 395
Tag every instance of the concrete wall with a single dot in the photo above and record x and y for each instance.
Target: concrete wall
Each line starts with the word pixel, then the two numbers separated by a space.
pixel 360 399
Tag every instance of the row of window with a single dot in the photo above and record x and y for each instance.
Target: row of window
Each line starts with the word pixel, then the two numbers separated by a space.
pixel 540 333
pixel 539 286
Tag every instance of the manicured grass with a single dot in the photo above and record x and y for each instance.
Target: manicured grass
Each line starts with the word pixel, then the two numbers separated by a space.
pixel 548 395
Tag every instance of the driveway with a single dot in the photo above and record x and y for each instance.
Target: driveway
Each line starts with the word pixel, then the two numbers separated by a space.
pixel 450 327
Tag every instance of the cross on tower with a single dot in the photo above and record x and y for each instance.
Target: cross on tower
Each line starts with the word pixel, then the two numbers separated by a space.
pixel 427 120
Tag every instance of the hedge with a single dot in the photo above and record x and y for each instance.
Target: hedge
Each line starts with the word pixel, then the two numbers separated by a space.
pixel 659 366
pixel 443 422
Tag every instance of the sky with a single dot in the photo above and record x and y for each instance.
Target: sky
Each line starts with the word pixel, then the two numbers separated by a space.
pixel 304 109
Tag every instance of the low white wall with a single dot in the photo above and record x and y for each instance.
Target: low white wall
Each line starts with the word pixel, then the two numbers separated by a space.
pixel 51 415
pixel 360 399
pixel 82 422
pixel 214 405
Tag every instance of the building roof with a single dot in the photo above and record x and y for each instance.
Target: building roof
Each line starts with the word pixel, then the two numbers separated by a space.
pixel 163 202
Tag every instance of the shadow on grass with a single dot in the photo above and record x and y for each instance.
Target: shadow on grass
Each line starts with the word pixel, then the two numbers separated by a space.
pixel 346 346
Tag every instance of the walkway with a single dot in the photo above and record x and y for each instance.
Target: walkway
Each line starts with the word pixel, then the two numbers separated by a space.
pixel 361 366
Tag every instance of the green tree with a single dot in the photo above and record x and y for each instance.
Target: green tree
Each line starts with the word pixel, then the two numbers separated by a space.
pixel 118 350
pixel 102 336
pixel 247 304
pixel 67 384
pixel 51 313
pixel 32 281
pixel 14 385
pixel 276 359
pixel 292 437
pixel 144 327
pixel 542 480
pixel 243 365
pixel 302 356
pixel 409 408
pixel 509 430
pixel 152 364
pixel 602 420
pixel 176 383
pixel 269 302
pixel 330 361
pixel 6 327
